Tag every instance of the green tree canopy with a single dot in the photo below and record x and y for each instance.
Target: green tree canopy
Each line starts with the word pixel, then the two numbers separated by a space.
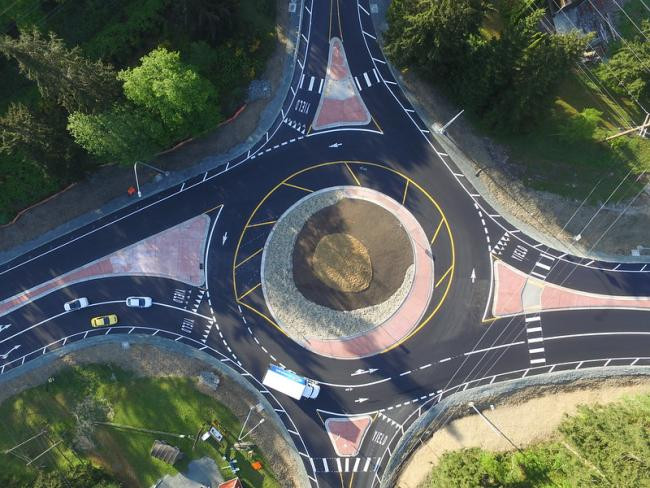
pixel 505 78
pixel 123 134
pixel 628 70
pixel 433 35
pixel 62 74
pixel 21 130
pixel 171 90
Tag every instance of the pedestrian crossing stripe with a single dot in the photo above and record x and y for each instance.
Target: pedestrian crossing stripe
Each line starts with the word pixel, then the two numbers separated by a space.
pixel 346 465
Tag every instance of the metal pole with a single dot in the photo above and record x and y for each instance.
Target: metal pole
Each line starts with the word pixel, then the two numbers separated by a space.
pixel 256 426
pixel 135 170
pixel 250 409
pixel 137 184
pixel 494 427
pixel 444 127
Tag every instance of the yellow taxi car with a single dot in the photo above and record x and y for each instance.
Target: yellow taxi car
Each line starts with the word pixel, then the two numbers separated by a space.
pixel 104 320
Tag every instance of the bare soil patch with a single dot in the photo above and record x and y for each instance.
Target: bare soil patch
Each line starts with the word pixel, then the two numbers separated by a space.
pixel 377 230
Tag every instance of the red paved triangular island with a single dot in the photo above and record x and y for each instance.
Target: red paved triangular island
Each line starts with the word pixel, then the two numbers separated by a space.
pixel 340 104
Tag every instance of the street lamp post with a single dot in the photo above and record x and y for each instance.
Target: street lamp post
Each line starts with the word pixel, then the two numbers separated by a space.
pixel 135 171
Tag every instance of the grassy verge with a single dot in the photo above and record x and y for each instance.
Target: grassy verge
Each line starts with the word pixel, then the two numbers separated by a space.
pixel 552 160
pixel 600 446
pixel 104 393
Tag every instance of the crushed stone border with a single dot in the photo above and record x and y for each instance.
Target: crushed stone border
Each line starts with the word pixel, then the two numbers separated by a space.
pixel 279 288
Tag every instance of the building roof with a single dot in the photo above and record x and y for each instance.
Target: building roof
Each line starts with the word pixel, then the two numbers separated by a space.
pixel 234 483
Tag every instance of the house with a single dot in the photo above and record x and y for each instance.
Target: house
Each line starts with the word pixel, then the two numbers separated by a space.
pixel 597 16
pixel 235 483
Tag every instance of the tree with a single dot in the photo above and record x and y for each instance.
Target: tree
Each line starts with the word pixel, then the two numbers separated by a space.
pixel 62 74
pixel 21 130
pixel 172 91
pixel 628 70
pixel 433 35
pixel 526 67
pixel 124 134
pixel 207 19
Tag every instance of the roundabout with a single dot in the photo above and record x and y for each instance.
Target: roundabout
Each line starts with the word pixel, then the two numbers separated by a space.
pixel 346 271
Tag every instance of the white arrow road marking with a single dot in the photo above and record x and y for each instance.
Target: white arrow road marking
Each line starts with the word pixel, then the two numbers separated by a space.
pixel 473 275
pixel 223 239
pixel 3 327
pixel 363 371
pixel 335 145
pixel 361 400
pixel 6 355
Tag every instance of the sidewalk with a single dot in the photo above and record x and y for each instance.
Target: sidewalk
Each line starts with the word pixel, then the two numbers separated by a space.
pixel 104 191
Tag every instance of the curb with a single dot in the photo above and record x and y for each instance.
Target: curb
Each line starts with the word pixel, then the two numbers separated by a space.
pixel 419 431
pixel 267 117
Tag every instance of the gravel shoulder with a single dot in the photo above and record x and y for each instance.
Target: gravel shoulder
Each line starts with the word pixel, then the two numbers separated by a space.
pixel 525 418
pixel 541 215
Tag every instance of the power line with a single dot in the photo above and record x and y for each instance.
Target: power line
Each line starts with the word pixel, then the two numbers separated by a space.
pixel 630 19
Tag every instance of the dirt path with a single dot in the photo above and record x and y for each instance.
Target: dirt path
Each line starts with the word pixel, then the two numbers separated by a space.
pixel 525 420
pixel 112 181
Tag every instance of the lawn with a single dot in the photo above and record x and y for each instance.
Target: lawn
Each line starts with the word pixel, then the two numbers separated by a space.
pixel 105 393
pixel 572 167
pixel 600 446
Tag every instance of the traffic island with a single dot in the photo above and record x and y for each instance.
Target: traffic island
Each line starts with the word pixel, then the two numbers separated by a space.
pixel 347 433
pixel 517 293
pixel 347 272
pixel 340 104
pixel 176 253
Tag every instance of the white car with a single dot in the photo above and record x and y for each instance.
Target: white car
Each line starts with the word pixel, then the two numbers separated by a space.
pixel 76 304
pixel 139 302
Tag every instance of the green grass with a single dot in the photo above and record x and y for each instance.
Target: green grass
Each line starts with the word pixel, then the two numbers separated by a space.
pixel 598 447
pixel 550 162
pixel 164 404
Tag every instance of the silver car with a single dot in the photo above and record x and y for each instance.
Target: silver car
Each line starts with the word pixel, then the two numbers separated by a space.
pixel 139 302
pixel 76 304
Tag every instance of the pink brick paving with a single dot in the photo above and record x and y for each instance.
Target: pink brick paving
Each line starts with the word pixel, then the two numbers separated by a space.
pixel 347 433
pixel 508 295
pixel 175 253
pixel 408 316
pixel 340 103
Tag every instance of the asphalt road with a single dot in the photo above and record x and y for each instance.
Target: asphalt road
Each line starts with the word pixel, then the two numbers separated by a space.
pixel 395 154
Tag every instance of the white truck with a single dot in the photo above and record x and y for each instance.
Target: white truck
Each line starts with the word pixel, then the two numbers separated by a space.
pixel 290 383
